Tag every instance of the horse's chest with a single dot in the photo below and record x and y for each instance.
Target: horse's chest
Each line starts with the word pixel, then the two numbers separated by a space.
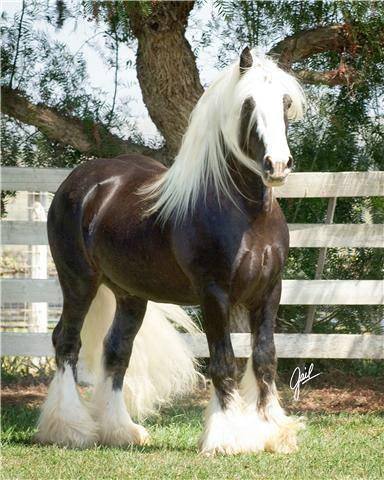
pixel 256 269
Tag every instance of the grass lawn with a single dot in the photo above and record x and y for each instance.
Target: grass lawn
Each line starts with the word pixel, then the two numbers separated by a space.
pixel 333 446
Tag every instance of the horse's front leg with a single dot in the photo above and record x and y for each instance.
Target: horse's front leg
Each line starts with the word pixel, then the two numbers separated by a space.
pixel 224 430
pixel 277 431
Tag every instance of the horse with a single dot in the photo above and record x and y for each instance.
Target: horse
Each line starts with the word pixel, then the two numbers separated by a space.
pixel 207 231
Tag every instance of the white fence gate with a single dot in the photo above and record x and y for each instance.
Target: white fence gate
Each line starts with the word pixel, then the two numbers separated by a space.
pixel 295 292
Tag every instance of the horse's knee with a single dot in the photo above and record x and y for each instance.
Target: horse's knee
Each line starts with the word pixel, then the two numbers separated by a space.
pixel 222 368
pixel 223 371
pixel 66 335
pixel 264 360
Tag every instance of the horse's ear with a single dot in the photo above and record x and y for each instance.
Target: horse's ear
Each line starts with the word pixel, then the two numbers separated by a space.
pixel 246 60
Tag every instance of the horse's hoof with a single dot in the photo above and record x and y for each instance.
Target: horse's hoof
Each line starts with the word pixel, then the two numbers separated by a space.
pixel 285 440
pixel 131 434
pixel 141 436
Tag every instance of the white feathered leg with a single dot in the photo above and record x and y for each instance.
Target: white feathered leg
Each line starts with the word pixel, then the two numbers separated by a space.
pixel 64 418
pixel 229 431
pixel 285 440
pixel 221 427
pixel 115 426
pixel 161 366
pixel 277 431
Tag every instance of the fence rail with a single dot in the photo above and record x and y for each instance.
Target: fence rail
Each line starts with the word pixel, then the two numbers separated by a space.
pixel 295 292
pixel 298 185
pixel 301 234
pixel 288 345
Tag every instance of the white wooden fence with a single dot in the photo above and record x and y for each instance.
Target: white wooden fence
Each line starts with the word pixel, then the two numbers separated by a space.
pixel 295 292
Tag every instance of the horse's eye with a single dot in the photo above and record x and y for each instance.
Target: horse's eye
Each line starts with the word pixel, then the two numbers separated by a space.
pixel 287 100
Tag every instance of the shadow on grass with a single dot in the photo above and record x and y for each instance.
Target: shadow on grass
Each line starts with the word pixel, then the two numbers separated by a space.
pixel 18 424
pixel 19 427
pixel 176 415
pixel 150 448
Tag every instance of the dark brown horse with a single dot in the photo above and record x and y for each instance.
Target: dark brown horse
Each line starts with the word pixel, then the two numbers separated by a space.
pixel 207 231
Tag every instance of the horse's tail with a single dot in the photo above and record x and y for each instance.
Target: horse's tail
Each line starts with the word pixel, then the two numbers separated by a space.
pixel 161 365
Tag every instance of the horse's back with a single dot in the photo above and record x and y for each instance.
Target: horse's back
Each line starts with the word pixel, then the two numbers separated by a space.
pixel 129 168
pixel 84 182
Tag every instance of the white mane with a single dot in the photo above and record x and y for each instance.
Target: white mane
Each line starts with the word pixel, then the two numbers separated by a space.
pixel 216 117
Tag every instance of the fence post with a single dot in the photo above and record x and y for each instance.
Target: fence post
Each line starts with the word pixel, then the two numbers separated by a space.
pixel 320 265
pixel 39 269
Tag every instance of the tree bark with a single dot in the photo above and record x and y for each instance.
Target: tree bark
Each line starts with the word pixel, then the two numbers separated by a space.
pixel 310 42
pixel 87 137
pixel 341 76
pixel 166 68
pixel 332 38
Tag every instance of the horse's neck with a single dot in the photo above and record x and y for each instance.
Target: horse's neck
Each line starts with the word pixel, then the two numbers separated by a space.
pixel 255 195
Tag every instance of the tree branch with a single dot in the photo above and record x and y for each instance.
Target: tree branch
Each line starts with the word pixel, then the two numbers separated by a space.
pixel 341 76
pixel 110 114
pixel 341 38
pixel 85 136
pixel 302 45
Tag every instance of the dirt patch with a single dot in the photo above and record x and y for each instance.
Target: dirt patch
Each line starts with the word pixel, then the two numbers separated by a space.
pixel 31 396
pixel 335 400
pixel 336 392
pixel 347 393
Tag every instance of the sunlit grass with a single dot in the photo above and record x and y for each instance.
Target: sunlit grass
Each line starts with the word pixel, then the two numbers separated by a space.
pixel 344 446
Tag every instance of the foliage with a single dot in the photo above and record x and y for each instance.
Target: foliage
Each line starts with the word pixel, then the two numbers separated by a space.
pixel 26 370
pixel 117 15
pixel 46 72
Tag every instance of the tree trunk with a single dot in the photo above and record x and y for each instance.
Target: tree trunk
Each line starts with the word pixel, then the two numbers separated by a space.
pixel 166 68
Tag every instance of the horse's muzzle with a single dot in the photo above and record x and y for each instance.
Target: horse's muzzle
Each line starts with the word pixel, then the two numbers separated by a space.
pixel 275 172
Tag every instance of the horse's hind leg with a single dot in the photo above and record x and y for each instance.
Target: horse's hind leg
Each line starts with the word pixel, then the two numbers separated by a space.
pixel 64 418
pixel 114 422
pixel 262 407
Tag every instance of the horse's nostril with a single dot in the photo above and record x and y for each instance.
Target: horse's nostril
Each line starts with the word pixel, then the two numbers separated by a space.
pixel 268 165
pixel 290 162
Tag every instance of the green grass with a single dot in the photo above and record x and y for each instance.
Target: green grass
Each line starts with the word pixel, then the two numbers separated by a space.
pixel 348 446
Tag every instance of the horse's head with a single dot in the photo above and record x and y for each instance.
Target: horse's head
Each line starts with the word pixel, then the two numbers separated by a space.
pixel 269 98
pixel 242 117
